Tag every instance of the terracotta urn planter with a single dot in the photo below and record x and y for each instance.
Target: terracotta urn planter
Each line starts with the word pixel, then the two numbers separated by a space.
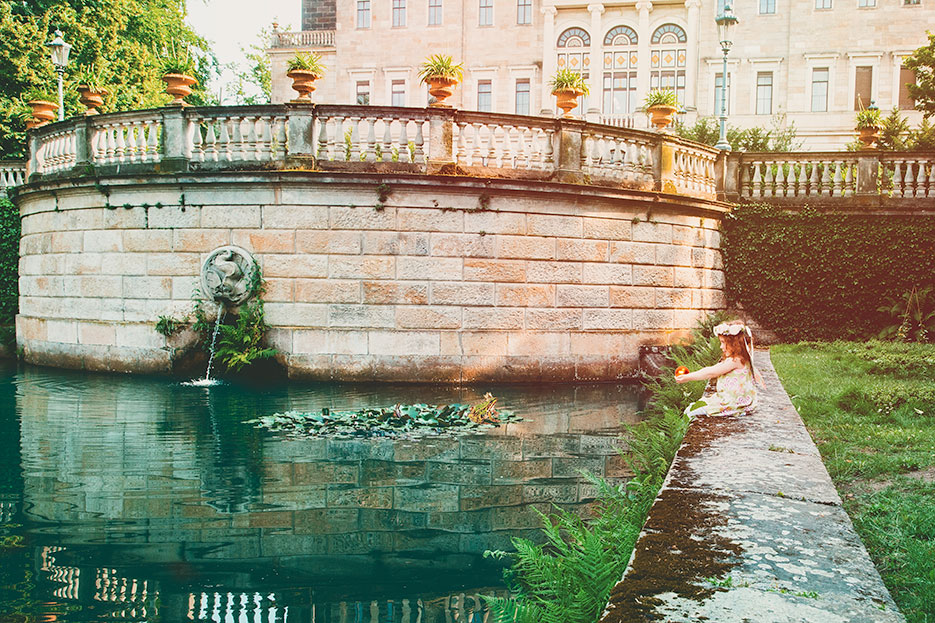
pixel 661 116
pixel 91 98
pixel 43 111
pixel 567 99
pixel 32 122
pixel 303 82
pixel 179 86
pixel 868 137
pixel 440 88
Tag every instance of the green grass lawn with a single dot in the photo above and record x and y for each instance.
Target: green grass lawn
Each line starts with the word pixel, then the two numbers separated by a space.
pixel 870 407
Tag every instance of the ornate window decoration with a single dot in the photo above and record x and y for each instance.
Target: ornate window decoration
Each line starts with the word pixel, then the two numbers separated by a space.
pixel 668 59
pixel 619 65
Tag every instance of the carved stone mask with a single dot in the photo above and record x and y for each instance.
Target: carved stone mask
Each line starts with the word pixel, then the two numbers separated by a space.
pixel 226 275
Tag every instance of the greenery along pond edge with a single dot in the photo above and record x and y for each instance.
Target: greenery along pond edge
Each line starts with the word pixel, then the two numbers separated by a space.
pixel 814 275
pixel 568 577
pixel 9 268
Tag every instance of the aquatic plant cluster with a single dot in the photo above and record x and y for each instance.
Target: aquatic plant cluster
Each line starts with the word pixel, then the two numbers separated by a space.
pixel 568 578
pixel 396 421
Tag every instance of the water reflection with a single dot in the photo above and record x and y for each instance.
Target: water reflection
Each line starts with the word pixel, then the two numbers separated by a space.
pixel 141 498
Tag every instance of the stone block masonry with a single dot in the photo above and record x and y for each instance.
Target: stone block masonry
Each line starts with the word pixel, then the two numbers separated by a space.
pixel 549 282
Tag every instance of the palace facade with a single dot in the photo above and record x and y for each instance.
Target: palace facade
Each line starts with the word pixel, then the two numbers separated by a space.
pixel 811 62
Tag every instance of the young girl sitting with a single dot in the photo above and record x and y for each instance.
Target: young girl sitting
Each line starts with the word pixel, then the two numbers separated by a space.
pixel 735 374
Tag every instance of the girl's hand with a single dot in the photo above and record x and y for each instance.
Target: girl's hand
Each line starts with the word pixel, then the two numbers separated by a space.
pixel 683 378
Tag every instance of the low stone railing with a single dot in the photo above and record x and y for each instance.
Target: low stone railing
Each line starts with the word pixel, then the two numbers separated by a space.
pixel 303 39
pixel 376 138
pixel 858 179
pixel 12 174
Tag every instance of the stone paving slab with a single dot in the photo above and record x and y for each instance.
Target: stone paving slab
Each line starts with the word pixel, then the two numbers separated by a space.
pixel 749 527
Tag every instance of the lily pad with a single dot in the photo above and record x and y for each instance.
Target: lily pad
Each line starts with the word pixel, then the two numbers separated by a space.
pixel 396 421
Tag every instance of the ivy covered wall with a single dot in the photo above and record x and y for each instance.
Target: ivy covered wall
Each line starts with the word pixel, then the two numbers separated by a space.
pixel 822 275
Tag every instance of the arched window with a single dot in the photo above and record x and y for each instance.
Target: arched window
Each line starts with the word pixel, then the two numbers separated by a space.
pixel 573 53
pixel 619 79
pixel 668 59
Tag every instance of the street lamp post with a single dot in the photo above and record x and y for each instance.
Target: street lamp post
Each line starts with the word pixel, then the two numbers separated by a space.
pixel 725 21
pixel 60 51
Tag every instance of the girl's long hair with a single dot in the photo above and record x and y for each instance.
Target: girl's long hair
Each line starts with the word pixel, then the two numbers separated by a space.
pixel 736 346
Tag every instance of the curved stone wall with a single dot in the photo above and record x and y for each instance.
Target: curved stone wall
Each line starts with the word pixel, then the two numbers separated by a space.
pixel 449 278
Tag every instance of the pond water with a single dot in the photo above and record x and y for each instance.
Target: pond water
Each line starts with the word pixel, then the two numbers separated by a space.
pixel 140 499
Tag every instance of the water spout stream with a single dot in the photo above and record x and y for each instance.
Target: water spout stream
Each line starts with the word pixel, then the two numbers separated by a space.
pixel 214 339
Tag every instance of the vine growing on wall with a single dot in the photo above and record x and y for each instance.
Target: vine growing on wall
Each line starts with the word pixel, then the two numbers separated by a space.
pixel 9 262
pixel 824 275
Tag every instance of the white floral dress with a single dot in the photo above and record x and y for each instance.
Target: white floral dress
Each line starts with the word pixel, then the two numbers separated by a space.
pixel 736 394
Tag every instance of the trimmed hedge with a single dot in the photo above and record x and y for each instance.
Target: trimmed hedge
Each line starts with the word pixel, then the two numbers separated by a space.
pixel 9 260
pixel 814 275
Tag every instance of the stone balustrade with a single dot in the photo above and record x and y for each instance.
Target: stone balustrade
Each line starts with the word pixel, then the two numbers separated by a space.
pixel 12 174
pixel 303 39
pixel 388 139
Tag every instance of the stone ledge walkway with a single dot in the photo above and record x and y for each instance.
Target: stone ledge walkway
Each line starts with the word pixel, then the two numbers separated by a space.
pixel 749 527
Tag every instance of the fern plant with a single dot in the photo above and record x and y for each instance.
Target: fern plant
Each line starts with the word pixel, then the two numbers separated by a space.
pixel 241 343
pixel 568 578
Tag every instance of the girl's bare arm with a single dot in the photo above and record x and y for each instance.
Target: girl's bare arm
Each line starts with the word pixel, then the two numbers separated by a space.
pixel 710 372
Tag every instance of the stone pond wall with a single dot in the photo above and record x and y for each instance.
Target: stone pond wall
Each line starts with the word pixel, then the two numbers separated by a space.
pixel 454 279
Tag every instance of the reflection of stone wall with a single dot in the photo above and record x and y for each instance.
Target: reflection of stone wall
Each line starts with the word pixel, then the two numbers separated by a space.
pixel 465 281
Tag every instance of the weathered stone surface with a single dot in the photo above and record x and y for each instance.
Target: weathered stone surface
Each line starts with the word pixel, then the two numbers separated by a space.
pixel 749 527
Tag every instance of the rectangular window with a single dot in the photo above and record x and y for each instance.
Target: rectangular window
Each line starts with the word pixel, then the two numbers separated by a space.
pixel 911 2
pixel 399 13
pixel 820 89
pixel 718 90
pixel 764 93
pixel 767 7
pixel 398 93
pixel 524 12
pixel 866 3
pixel 522 97
pixel 363 92
pixel 620 93
pixel 435 12
pixel 863 83
pixel 485 13
pixel 484 93
pixel 906 77
pixel 363 13
pixel 822 4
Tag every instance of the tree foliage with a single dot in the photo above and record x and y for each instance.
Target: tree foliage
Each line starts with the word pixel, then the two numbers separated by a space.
pixel 126 40
pixel 923 91
pixel 780 137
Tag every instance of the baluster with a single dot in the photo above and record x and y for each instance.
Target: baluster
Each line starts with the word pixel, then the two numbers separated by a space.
pixel 153 146
pixel 897 178
pixel 780 180
pixel 223 140
pixel 522 153
pixel 419 142
pixel 549 149
pixel 930 184
pixel 212 154
pixel 507 152
pixel 142 153
pixel 404 154
pixel 370 147
pixel 909 180
pixel 355 139
pixel 838 179
pixel 848 179
pixel 802 181
pixel 120 144
pixel 254 143
pixel 492 147
pixel 198 152
pixel 618 155
pixel 237 148
pixel 461 151
pixel 595 153
pixel 265 145
pixel 476 156
pixel 825 183
pixel 322 151
pixel 130 149
pixel 110 154
pixel 387 146
pixel 768 189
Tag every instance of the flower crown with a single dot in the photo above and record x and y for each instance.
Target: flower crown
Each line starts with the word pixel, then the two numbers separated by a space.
pixel 732 329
